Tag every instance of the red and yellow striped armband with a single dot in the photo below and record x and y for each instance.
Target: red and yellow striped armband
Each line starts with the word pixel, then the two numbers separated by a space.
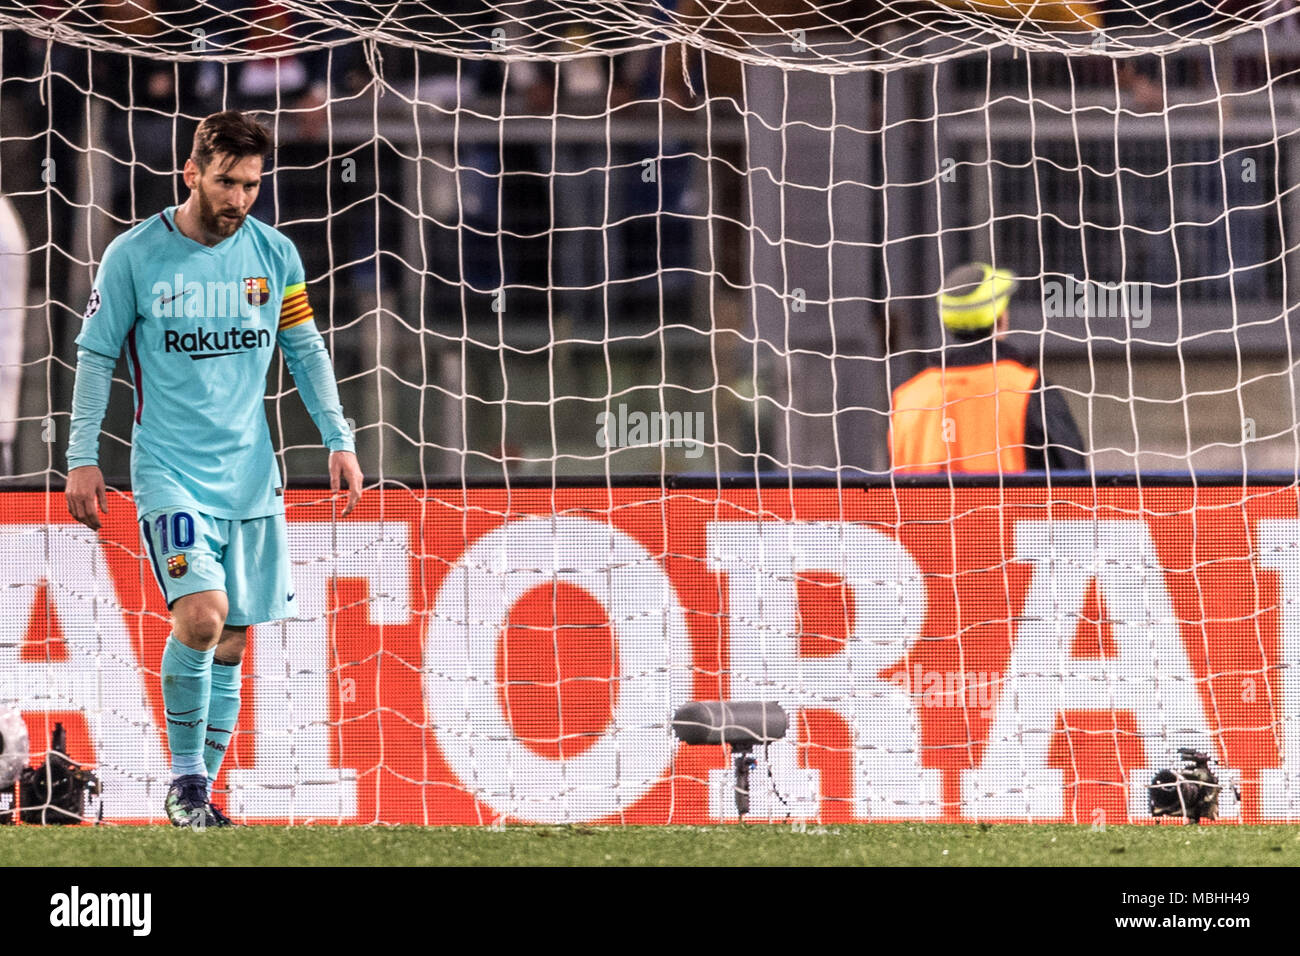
pixel 295 309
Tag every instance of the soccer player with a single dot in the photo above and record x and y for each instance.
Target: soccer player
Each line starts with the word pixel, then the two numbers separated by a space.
pixel 200 295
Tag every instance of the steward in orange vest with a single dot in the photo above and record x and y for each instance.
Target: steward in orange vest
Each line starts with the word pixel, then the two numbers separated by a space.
pixel 982 406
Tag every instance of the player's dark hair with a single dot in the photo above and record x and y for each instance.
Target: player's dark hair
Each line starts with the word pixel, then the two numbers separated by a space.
pixel 232 133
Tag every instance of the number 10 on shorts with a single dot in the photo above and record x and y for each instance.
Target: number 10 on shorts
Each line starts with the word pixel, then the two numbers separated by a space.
pixel 181 526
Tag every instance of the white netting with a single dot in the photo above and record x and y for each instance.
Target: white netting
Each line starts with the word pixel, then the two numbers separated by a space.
pixel 555 244
pixel 847 34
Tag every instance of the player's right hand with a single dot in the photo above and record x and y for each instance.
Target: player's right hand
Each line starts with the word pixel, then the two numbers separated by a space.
pixel 86 490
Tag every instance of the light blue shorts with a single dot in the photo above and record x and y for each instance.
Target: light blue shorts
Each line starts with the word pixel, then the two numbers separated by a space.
pixel 249 560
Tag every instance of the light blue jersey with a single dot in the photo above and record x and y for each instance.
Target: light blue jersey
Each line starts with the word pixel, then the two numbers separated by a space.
pixel 200 325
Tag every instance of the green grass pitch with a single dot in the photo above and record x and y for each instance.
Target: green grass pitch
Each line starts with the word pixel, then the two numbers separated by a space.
pixel 748 845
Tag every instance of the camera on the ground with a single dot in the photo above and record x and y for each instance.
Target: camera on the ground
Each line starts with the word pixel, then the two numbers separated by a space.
pixel 56 791
pixel 1190 791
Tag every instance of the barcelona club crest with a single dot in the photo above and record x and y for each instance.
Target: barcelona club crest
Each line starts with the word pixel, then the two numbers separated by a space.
pixel 177 565
pixel 256 291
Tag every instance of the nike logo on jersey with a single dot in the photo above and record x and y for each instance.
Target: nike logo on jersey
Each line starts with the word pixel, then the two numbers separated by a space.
pixel 170 298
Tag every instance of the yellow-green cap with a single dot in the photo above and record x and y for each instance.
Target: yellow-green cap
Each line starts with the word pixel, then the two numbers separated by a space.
pixel 974 296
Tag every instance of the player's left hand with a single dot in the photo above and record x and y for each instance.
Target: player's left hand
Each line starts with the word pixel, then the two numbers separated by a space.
pixel 343 464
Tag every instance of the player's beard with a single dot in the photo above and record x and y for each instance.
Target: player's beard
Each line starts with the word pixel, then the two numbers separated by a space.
pixel 213 222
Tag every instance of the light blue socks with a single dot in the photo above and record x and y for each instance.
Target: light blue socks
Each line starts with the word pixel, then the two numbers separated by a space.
pixel 223 713
pixel 186 687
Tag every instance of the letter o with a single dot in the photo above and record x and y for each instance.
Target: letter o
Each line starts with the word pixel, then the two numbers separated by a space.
pixel 459 671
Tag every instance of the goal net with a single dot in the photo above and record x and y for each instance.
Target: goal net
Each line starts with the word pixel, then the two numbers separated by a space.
pixel 618 296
